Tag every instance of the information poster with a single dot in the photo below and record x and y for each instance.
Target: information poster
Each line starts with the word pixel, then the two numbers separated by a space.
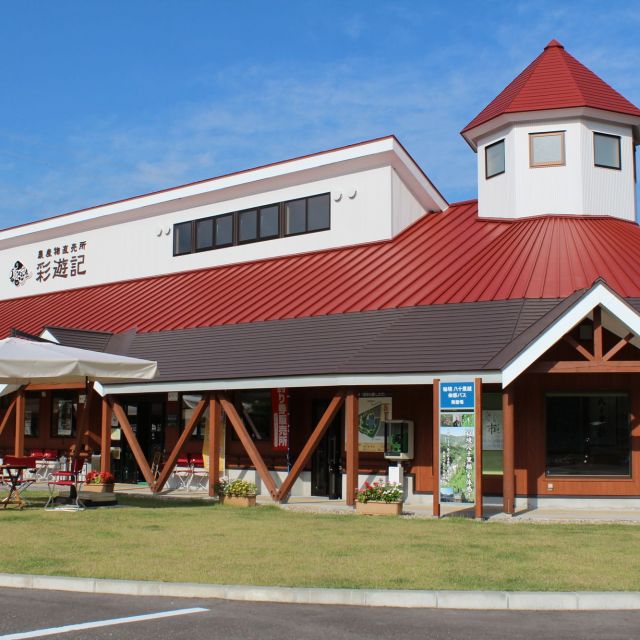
pixel 280 417
pixel 457 442
pixel 373 410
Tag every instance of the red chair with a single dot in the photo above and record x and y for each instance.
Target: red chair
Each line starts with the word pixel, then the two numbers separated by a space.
pixel 183 471
pixel 198 472
pixel 18 475
pixel 38 454
pixel 70 479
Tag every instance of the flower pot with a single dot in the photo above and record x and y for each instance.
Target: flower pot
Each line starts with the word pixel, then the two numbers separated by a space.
pixel 98 488
pixel 372 508
pixel 239 501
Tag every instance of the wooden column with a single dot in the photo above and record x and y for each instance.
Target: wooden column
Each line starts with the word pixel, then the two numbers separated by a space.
pixel 478 421
pixel 19 439
pixel 8 413
pixel 436 448
pixel 508 426
pixel 105 437
pixel 597 333
pixel 351 431
pixel 215 434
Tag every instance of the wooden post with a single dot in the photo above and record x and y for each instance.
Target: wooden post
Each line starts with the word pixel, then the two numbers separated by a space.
pixel 479 493
pixel 249 446
pixel 19 439
pixel 508 426
pixel 184 436
pixel 215 434
pixel 105 437
pixel 132 440
pixel 597 333
pixel 312 443
pixel 8 414
pixel 436 448
pixel 352 457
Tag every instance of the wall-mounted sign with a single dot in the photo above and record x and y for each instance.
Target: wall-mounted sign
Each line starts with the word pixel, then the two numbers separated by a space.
pixel 280 409
pixel 373 410
pixel 492 439
pixel 457 425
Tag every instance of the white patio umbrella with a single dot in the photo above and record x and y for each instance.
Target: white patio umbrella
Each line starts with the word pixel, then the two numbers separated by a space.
pixel 27 361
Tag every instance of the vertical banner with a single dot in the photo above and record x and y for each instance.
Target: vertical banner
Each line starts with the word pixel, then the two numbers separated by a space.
pixel 457 442
pixel 280 409
pixel 373 410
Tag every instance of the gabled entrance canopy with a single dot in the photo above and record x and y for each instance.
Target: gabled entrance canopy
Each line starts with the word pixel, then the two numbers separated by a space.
pixel 604 308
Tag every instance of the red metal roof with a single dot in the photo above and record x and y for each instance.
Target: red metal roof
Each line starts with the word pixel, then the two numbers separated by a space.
pixel 442 258
pixel 555 80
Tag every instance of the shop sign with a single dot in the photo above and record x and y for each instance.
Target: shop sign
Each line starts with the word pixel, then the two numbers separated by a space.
pixel 457 426
pixel 280 409
pixel 373 410
pixel 65 261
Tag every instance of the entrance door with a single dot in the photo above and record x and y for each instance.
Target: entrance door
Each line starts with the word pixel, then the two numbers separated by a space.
pixel 146 417
pixel 326 462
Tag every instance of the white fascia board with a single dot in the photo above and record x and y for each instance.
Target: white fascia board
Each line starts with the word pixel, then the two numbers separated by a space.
pixel 473 135
pixel 378 380
pixel 376 153
pixel 599 295
pixel 47 335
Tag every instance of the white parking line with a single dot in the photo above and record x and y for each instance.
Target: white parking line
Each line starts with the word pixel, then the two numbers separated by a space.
pixel 40 633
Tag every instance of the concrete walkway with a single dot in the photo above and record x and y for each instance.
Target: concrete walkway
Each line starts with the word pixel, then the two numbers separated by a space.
pixel 492 513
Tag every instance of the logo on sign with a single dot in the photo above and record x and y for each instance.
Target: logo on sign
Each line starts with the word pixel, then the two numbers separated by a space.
pixel 19 274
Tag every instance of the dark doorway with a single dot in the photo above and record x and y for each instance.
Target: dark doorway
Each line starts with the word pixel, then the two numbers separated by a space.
pixel 146 416
pixel 326 462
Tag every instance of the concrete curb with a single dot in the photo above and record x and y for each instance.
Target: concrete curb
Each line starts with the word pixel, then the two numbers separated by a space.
pixel 479 600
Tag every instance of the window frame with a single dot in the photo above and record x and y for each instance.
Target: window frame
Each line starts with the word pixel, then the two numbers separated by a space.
pixel 593 476
pixel 195 234
pixel 615 137
pixel 233 231
pixel 33 397
pixel 486 165
pixel 192 224
pixel 541 165
pixel 72 396
pixel 306 215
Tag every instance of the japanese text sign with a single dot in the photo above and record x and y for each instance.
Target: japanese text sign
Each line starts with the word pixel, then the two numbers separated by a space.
pixel 457 396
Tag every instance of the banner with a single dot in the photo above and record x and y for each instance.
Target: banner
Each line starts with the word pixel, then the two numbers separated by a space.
pixel 457 424
pixel 280 409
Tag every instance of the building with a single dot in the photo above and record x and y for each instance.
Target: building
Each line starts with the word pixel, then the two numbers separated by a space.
pixel 302 303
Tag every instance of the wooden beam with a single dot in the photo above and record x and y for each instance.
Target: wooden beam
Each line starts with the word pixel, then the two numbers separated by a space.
pixel 436 448
pixel 105 437
pixel 123 421
pixel 198 410
pixel 352 457
pixel 215 436
pixel 597 333
pixel 508 426
pixel 248 444
pixel 47 386
pixel 478 421
pixel 617 347
pixel 311 444
pixel 582 366
pixel 8 413
pixel 19 435
pixel 578 347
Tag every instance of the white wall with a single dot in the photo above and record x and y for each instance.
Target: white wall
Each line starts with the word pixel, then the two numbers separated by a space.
pixel 140 248
pixel 576 188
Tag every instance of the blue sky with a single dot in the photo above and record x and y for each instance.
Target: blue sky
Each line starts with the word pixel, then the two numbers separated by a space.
pixel 105 100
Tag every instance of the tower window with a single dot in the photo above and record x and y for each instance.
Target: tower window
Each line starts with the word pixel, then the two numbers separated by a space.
pixel 546 149
pixel 606 151
pixel 494 159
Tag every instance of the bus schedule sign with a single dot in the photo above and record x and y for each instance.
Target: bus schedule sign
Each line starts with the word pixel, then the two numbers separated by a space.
pixel 457 426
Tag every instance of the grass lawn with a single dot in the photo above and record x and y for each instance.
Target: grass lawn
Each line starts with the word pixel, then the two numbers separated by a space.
pixel 150 539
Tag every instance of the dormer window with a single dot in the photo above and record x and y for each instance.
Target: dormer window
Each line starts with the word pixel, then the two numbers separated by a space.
pixel 494 159
pixel 546 149
pixel 606 151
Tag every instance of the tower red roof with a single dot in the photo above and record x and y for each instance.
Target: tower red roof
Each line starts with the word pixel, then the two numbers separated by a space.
pixel 554 80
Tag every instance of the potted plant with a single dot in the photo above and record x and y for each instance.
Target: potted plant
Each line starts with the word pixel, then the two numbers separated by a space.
pixel 240 493
pixel 379 498
pixel 99 482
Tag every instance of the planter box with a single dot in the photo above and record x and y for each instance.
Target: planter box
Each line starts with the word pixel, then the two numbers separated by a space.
pixel 379 508
pixel 97 488
pixel 238 501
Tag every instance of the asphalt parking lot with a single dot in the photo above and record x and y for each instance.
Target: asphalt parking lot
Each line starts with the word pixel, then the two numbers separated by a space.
pixel 36 614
